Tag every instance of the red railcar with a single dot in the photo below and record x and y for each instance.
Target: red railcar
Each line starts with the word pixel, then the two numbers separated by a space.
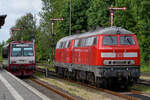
pixel 19 57
pixel 100 56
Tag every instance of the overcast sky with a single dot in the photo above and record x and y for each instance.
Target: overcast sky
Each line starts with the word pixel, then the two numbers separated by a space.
pixel 14 10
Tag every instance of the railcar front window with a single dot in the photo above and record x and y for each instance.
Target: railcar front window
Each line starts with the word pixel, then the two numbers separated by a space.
pixel 126 40
pixel 28 52
pixel 16 52
pixel 110 40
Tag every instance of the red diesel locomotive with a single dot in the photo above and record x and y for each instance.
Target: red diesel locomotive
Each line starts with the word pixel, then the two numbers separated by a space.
pixel 19 57
pixel 103 57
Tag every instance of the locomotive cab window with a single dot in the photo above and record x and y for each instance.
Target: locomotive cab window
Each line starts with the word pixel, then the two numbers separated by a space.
pixel 16 52
pixel 110 40
pixel 127 40
pixel 28 51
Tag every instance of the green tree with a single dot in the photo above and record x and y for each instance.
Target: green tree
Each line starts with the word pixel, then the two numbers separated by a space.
pixel 27 24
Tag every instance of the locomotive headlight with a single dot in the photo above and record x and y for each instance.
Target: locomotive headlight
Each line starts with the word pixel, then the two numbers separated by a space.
pixel 108 54
pixel 32 61
pixel 132 62
pixel 13 62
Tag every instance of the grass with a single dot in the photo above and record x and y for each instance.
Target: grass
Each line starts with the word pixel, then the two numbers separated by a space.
pixel 49 68
pixel 0 58
pixel 142 88
pixel 145 68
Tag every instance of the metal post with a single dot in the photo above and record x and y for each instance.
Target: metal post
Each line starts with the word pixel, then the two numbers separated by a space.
pixel 112 13
pixel 70 19
pixel 46 72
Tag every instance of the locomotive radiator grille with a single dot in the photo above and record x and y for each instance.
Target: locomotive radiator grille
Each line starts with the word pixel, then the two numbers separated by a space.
pixel 119 62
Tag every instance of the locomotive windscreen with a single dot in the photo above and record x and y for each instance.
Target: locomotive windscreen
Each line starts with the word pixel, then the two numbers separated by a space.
pixel 22 50
pixel 113 40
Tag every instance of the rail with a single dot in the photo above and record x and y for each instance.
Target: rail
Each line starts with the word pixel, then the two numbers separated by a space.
pixel 68 97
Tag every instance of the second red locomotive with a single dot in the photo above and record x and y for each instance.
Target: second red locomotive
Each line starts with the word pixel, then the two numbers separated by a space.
pixel 103 57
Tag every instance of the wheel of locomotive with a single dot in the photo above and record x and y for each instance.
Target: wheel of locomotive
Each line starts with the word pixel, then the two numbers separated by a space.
pixel 91 78
pixel 78 76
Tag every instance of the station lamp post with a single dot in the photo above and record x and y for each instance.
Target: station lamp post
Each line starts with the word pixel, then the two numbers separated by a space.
pixel 112 9
pixel 53 20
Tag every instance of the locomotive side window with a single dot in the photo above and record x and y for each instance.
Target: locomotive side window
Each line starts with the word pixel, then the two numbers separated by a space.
pixel 95 41
pixel 126 40
pixel 61 44
pixel 89 41
pixel 58 45
pixel 83 42
pixel 69 44
pixel 110 40
pixel 64 43
pixel 76 43
pixel 79 43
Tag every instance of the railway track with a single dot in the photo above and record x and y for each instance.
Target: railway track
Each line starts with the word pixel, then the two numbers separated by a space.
pixel 129 95
pixel 68 97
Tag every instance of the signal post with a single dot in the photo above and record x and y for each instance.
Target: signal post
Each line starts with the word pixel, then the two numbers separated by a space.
pixel 12 31
pixel 112 9
pixel 53 20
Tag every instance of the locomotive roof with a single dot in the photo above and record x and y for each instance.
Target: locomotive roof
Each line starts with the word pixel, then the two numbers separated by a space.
pixel 108 30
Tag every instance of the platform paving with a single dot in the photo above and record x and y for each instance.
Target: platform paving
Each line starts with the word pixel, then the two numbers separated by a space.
pixel 12 88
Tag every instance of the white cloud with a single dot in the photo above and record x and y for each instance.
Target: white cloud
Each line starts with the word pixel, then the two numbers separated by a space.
pixel 14 10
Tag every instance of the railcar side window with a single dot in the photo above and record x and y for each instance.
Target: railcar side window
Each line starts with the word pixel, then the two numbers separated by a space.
pixel 126 40
pixel 110 40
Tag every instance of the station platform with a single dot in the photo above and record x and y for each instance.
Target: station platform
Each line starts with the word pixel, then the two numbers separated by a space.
pixel 12 88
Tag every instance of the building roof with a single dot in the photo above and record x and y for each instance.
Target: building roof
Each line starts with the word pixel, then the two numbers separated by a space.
pixel 2 20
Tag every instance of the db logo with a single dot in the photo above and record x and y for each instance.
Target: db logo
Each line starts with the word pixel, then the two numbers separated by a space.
pixel 119 54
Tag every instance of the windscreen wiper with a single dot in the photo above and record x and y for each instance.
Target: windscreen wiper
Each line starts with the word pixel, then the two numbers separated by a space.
pixel 128 40
pixel 111 38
